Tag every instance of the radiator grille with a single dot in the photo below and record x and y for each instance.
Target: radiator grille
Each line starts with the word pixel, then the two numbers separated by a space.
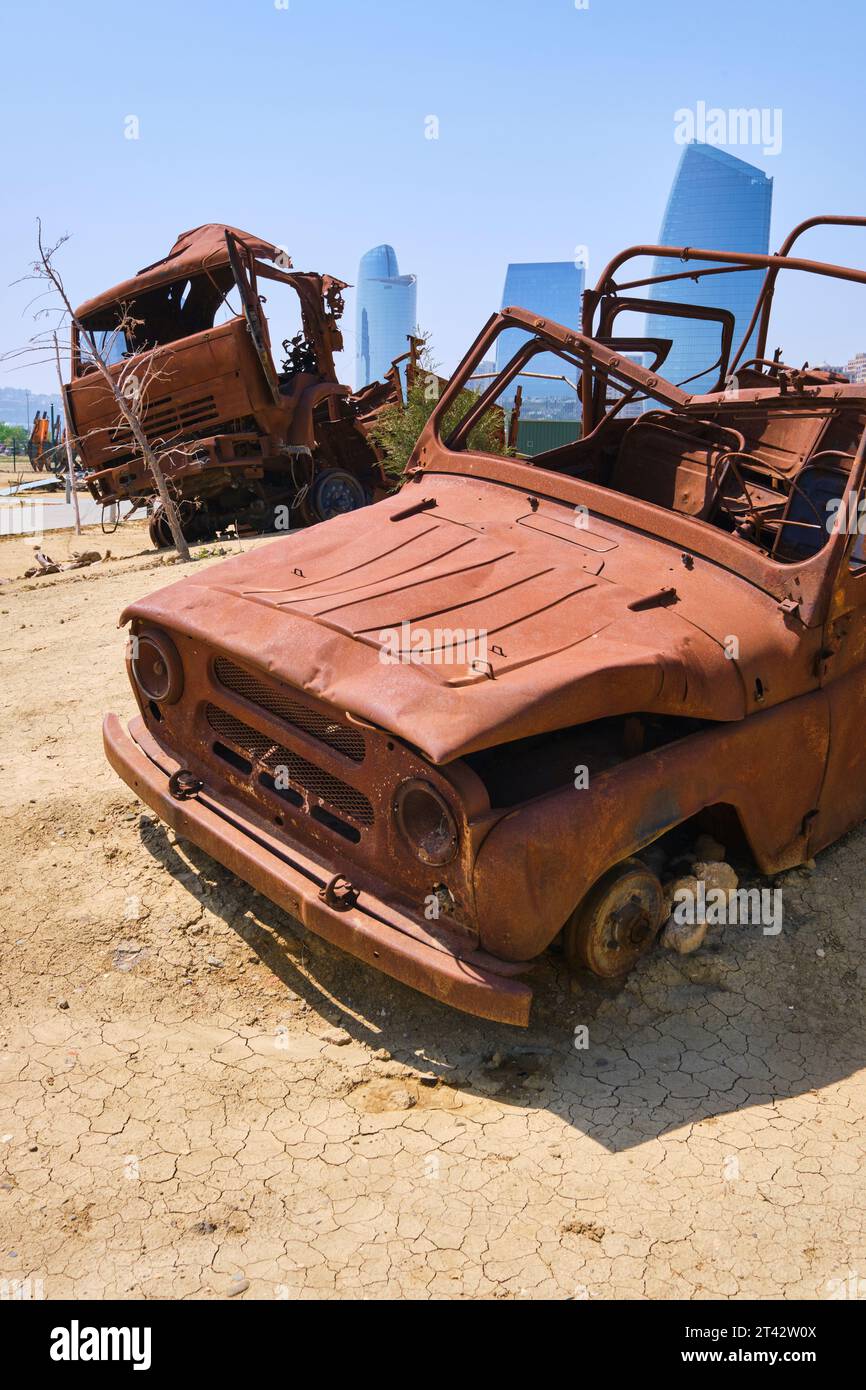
pixel 166 417
pixel 269 755
pixel 335 735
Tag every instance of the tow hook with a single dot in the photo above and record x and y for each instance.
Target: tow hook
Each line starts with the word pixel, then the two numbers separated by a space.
pixel 183 784
pixel 339 893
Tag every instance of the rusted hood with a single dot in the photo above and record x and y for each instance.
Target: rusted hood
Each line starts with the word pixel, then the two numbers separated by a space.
pixel 321 609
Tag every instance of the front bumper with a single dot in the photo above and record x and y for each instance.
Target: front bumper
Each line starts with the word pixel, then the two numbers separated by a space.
pixel 372 930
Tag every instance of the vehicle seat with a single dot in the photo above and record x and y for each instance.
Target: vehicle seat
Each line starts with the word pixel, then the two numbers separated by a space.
pixel 660 461
pixel 801 535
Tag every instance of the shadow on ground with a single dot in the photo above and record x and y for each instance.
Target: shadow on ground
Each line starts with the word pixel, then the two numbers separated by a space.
pixel 748 1019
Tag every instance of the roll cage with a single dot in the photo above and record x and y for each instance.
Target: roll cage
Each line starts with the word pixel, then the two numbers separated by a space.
pixel 606 295
pixel 742 475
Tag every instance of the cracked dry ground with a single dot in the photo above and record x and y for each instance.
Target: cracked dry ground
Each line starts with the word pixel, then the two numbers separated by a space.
pixel 200 1100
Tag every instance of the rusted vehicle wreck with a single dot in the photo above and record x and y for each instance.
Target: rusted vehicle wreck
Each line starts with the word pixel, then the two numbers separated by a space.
pixel 665 607
pixel 241 428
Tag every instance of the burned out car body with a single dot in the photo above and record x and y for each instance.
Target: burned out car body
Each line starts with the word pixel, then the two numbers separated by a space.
pixel 666 610
pixel 241 424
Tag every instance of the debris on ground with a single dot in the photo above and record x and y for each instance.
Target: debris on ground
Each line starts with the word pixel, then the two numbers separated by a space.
pixel 80 560
pixel 686 933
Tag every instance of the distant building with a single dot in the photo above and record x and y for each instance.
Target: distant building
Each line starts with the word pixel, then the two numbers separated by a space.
pixel 483 374
pixel 636 408
pixel 855 370
pixel 553 290
pixel 386 313
pixel 721 203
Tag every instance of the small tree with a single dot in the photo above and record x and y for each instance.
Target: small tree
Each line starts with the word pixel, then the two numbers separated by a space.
pixel 397 429
pixel 127 388
pixel 14 434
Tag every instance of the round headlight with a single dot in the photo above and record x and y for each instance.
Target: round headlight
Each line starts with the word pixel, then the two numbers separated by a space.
pixel 156 666
pixel 426 822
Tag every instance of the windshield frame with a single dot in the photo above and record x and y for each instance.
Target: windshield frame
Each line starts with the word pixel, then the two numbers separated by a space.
pixel 808 581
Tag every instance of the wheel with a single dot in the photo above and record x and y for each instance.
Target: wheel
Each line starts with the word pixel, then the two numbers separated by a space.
pixel 333 492
pixel 193 524
pixel 616 922
pixel 159 529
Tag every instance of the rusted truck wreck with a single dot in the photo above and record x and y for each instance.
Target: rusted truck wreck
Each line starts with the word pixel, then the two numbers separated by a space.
pixel 241 425
pixel 664 605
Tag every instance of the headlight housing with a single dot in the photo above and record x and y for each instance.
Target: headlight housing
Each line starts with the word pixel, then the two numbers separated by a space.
pixel 425 821
pixel 156 666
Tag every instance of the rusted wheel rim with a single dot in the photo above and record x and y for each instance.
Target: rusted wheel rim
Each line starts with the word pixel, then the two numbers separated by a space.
pixel 160 531
pixel 335 492
pixel 616 922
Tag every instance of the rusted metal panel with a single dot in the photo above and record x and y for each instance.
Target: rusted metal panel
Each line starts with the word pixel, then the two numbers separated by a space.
pixel 253 315
pixel 200 383
pixel 665 605
pixel 528 877
pixel 458 976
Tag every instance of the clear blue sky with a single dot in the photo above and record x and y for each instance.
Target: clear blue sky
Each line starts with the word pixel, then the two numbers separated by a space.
pixel 307 125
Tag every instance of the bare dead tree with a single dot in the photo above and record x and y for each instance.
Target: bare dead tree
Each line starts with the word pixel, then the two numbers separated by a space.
pixel 126 388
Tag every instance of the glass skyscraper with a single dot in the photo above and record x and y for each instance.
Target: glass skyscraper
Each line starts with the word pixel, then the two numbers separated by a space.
pixel 551 289
pixel 723 203
pixel 386 314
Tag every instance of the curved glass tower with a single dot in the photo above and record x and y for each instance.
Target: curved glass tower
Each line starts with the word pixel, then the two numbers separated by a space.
pixel 723 203
pixel 551 289
pixel 386 313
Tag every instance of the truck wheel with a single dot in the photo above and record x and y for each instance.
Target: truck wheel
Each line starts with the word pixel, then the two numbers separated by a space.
pixel 616 922
pixel 159 529
pixel 193 523
pixel 334 492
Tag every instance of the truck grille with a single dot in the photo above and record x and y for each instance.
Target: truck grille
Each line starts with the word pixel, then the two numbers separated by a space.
pixel 166 417
pixel 270 756
pixel 337 736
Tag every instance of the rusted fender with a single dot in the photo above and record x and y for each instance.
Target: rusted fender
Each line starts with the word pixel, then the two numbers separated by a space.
pixel 539 861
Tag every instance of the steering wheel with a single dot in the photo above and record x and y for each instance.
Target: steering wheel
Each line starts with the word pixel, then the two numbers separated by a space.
pixel 752 509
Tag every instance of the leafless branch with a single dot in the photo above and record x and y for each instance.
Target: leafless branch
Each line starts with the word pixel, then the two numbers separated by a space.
pixel 124 386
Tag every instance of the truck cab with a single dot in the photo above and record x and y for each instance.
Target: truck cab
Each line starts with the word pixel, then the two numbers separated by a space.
pixel 242 423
